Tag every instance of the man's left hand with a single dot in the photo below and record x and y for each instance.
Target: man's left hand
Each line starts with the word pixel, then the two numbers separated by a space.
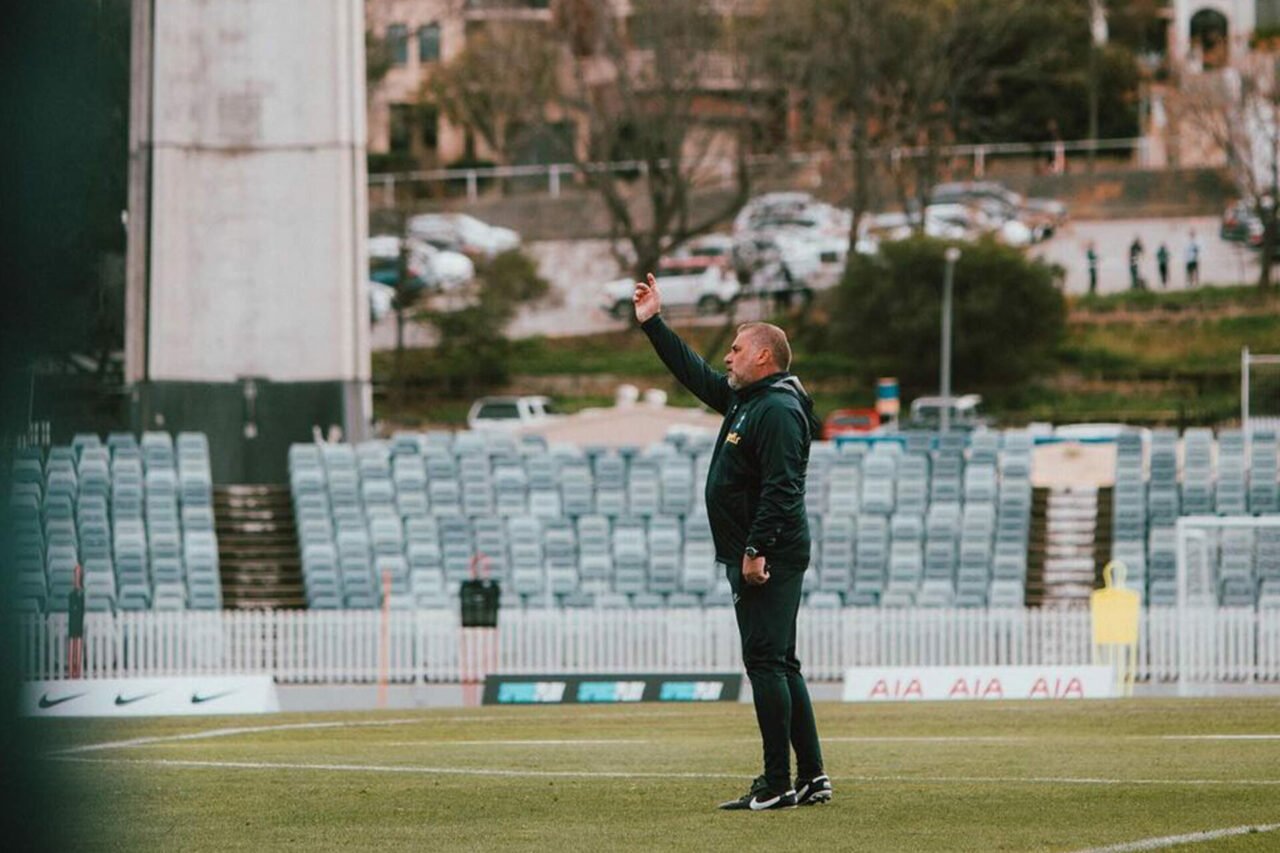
pixel 754 570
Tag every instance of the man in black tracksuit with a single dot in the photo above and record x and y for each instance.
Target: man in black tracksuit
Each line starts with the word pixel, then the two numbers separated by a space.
pixel 755 504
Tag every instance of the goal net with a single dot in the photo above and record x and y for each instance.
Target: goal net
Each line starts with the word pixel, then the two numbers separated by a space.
pixel 1259 393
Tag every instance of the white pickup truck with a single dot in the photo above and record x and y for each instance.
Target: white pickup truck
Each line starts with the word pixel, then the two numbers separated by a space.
pixel 509 412
pixel 707 291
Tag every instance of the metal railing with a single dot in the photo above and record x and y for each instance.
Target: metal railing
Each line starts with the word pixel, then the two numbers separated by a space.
pixel 722 170
pixel 1235 645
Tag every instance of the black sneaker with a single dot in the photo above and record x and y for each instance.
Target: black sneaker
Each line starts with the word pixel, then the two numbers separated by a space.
pixel 810 792
pixel 761 799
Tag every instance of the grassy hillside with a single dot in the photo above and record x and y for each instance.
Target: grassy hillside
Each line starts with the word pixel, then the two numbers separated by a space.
pixel 1146 357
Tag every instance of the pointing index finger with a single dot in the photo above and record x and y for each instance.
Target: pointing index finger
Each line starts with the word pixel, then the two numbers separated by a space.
pixel 652 281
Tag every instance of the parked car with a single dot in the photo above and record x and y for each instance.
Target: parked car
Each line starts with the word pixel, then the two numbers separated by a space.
pixel 381 299
pixel 850 422
pixel 1240 223
pixel 790 262
pixel 965 412
pixel 430 269
pixel 708 291
pixel 768 206
pixel 459 232
pixel 509 412
pixel 1042 216
pixel 709 250
pixel 816 257
pixel 973 220
pixel 946 221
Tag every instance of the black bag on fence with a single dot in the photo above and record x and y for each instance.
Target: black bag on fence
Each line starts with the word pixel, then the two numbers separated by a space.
pixel 479 604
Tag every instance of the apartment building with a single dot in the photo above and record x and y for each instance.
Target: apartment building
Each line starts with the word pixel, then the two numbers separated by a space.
pixel 416 37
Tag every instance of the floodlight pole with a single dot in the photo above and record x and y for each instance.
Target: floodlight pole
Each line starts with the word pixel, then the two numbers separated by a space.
pixel 1244 399
pixel 948 279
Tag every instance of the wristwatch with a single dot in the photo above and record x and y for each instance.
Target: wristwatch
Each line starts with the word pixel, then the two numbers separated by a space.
pixel 752 552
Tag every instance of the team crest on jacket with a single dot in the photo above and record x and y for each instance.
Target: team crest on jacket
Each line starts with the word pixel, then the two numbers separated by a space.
pixel 734 435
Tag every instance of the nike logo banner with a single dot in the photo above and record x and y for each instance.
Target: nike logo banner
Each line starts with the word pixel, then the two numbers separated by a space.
pixel 196 698
pixel 159 697
pixel 46 702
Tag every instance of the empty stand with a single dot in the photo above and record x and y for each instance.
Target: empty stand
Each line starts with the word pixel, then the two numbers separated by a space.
pixel 942 524
pixel 1159 481
pixel 137 515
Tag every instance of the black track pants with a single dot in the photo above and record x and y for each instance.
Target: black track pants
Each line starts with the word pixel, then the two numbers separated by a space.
pixel 767 627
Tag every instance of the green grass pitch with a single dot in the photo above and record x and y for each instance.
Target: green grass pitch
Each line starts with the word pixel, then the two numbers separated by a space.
pixel 918 777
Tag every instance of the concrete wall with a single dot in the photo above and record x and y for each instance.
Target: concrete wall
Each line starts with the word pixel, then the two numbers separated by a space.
pixel 247 225
pixel 255 237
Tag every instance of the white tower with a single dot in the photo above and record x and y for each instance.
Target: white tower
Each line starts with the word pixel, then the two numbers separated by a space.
pixel 247 316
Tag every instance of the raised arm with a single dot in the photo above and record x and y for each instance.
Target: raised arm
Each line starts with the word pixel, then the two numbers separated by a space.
pixel 686 365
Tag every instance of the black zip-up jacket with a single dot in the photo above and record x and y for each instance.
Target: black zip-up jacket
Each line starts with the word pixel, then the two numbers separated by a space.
pixel 755 487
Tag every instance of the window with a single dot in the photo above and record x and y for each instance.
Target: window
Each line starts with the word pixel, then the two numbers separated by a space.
pixel 429 118
pixel 499 411
pixel 429 43
pixel 399 137
pixel 398 43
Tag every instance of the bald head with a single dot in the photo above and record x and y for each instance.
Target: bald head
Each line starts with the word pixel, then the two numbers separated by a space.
pixel 771 339
pixel 758 350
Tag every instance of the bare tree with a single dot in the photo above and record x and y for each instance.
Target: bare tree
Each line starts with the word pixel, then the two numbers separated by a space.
pixel 889 76
pixel 639 89
pixel 502 81
pixel 1237 111
pixel 612 82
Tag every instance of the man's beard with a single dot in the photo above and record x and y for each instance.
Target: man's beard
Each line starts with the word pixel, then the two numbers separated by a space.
pixel 734 382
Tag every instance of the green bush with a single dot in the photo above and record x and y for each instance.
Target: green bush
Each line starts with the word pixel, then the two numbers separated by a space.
pixel 473 353
pixel 391 163
pixel 1008 317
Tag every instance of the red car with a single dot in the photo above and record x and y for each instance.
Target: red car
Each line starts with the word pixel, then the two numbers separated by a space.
pixel 850 422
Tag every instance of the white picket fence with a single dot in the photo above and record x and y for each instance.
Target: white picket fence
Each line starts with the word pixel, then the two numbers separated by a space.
pixel 429 645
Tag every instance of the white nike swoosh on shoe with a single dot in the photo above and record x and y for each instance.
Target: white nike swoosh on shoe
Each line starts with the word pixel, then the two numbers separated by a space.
pixel 761 805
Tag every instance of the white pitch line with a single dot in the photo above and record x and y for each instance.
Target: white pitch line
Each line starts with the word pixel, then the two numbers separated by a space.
pixel 619 774
pixel 242 730
pixel 933 739
pixel 1189 838
pixel 227 732
pixel 508 742
pixel 1220 737
pixel 391 768
pixel 1056 780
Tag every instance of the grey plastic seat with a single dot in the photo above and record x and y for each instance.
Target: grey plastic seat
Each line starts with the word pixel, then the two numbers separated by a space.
pixel 1006 594
pixel 1264 492
pixel 820 600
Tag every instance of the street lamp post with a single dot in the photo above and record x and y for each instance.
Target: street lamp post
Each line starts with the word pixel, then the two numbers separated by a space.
pixel 952 255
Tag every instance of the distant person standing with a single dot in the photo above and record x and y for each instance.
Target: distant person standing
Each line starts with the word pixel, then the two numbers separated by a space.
pixel 75 624
pixel 1193 260
pixel 1162 264
pixel 1091 255
pixel 1135 259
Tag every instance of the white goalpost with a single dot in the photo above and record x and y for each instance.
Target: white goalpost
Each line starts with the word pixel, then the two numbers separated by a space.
pixel 1215 554
pixel 1259 393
